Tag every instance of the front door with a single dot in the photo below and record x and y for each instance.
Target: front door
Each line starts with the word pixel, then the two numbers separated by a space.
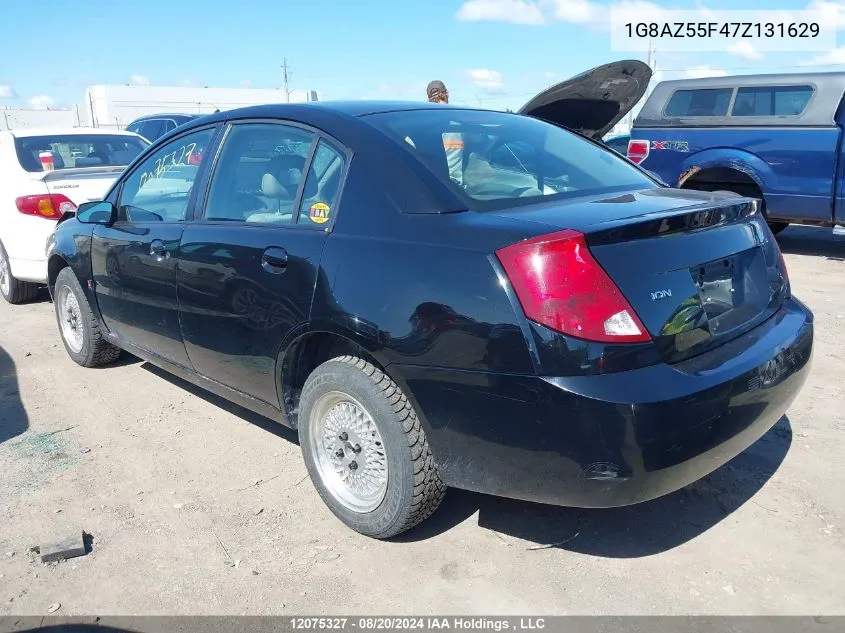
pixel 134 261
pixel 248 268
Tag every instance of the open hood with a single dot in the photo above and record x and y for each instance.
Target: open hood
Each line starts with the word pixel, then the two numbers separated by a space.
pixel 594 101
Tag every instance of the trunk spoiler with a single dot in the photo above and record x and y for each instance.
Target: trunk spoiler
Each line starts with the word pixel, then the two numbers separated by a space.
pixel 71 172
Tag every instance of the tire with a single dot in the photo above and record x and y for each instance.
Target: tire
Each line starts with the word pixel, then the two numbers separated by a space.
pixel 90 349
pixel 411 488
pixel 13 290
pixel 777 227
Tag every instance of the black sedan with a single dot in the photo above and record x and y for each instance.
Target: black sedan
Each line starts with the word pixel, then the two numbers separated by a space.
pixel 436 296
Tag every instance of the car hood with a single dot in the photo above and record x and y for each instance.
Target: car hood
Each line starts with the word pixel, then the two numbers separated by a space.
pixel 594 101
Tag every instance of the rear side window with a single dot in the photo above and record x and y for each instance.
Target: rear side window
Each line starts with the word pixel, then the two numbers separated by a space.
pixel 772 101
pixel 152 129
pixel 322 186
pixel 701 102
pixel 78 150
pixel 258 174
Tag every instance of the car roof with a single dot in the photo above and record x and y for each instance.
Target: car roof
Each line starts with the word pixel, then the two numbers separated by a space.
pixel 835 77
pixel 66 131
pixel 164 115
pixel 341 108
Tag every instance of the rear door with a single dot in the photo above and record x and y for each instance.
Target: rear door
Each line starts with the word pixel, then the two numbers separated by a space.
pixel 249 265
pixel 134 261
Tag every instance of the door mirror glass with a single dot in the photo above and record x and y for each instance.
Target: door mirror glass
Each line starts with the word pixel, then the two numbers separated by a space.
pixel 96 213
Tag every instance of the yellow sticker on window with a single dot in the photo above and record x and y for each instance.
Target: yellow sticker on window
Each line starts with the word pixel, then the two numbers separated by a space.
pixel 319 212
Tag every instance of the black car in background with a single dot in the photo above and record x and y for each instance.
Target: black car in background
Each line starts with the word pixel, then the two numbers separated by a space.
pixel 539 320
pixel 154 126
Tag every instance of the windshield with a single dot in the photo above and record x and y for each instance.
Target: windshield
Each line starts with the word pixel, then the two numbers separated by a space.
pixel 79 150
pixel 499 159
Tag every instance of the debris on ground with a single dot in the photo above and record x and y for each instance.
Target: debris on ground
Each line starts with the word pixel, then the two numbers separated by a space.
pixel 70 547
pixel 551 545
pixel 54 607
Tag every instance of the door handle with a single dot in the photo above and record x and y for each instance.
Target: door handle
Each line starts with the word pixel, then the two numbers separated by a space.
pixel 159 250
pixel 274 260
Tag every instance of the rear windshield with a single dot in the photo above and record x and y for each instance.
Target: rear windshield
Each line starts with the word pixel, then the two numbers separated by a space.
pixel 78 150
pixel 498 159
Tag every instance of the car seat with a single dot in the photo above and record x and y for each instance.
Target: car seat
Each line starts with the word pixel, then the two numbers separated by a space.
pixel 279 186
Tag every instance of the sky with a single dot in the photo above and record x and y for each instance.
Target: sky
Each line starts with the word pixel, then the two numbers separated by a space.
pixel 490 53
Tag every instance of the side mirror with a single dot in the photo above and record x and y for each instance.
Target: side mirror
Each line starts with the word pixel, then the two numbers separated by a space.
pixel 96 213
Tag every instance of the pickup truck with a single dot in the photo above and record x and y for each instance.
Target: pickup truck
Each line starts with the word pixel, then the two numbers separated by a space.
pixel 774 137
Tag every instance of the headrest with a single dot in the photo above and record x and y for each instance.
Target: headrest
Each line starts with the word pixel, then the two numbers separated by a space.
pixel 282 177
pixel 88 161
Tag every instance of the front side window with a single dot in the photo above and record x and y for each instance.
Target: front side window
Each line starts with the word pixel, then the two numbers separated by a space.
pixel 258 174
pixel 509 159
pixel 78 150
pixel 771 100
pixel 700 102
pixel 160 188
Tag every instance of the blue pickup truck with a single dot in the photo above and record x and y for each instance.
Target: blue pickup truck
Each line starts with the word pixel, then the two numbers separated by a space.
pixel 773 137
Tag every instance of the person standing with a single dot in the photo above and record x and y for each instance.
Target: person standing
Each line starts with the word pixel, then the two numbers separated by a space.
pixel 453 142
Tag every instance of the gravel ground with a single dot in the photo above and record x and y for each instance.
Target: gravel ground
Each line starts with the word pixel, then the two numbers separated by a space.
pixel 195 506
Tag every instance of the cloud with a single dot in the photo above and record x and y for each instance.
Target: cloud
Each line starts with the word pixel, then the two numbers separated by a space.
pixel 139 80
pixel 745 49
pixel 549 74
pixel 695 72
pixel 700 72
pixel 7 92
pixel 513 11
pixel 41 101
pixel 833 13
pixel 833 57
pixel 490 81
pixel 246 83
pixel 578 11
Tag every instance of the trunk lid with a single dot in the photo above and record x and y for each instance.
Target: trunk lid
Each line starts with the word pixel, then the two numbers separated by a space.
pixel 594 101
pixel 82 184
pixel 698 268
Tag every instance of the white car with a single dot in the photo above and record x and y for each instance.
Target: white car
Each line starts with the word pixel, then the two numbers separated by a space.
pixel 43 174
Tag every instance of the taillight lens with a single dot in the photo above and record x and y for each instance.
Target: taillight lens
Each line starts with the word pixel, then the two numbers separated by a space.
pixel 560 285
pixel 783 271
pixel 637 151
pixel 49 205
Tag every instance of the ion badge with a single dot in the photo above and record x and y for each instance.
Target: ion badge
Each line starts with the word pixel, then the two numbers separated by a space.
pixel 319 212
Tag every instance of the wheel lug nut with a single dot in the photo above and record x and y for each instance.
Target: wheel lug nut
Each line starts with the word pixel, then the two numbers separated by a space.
pixel 340 453
pixel 353 465
pixel 343 437
pixel 356 449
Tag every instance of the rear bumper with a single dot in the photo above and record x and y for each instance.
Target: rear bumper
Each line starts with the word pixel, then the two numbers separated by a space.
pixel 615 439
pixel 32 270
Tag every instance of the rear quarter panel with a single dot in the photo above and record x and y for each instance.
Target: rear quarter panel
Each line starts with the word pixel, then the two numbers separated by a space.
pixel 794 167
pixel 416 296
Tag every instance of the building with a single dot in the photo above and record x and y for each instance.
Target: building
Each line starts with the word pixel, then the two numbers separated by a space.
pixel 22 118
pixel 116 106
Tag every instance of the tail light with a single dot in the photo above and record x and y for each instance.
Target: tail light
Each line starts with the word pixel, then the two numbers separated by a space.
pixel 637 151
pixel 783 271
pixel 49 205
pixel 560 285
